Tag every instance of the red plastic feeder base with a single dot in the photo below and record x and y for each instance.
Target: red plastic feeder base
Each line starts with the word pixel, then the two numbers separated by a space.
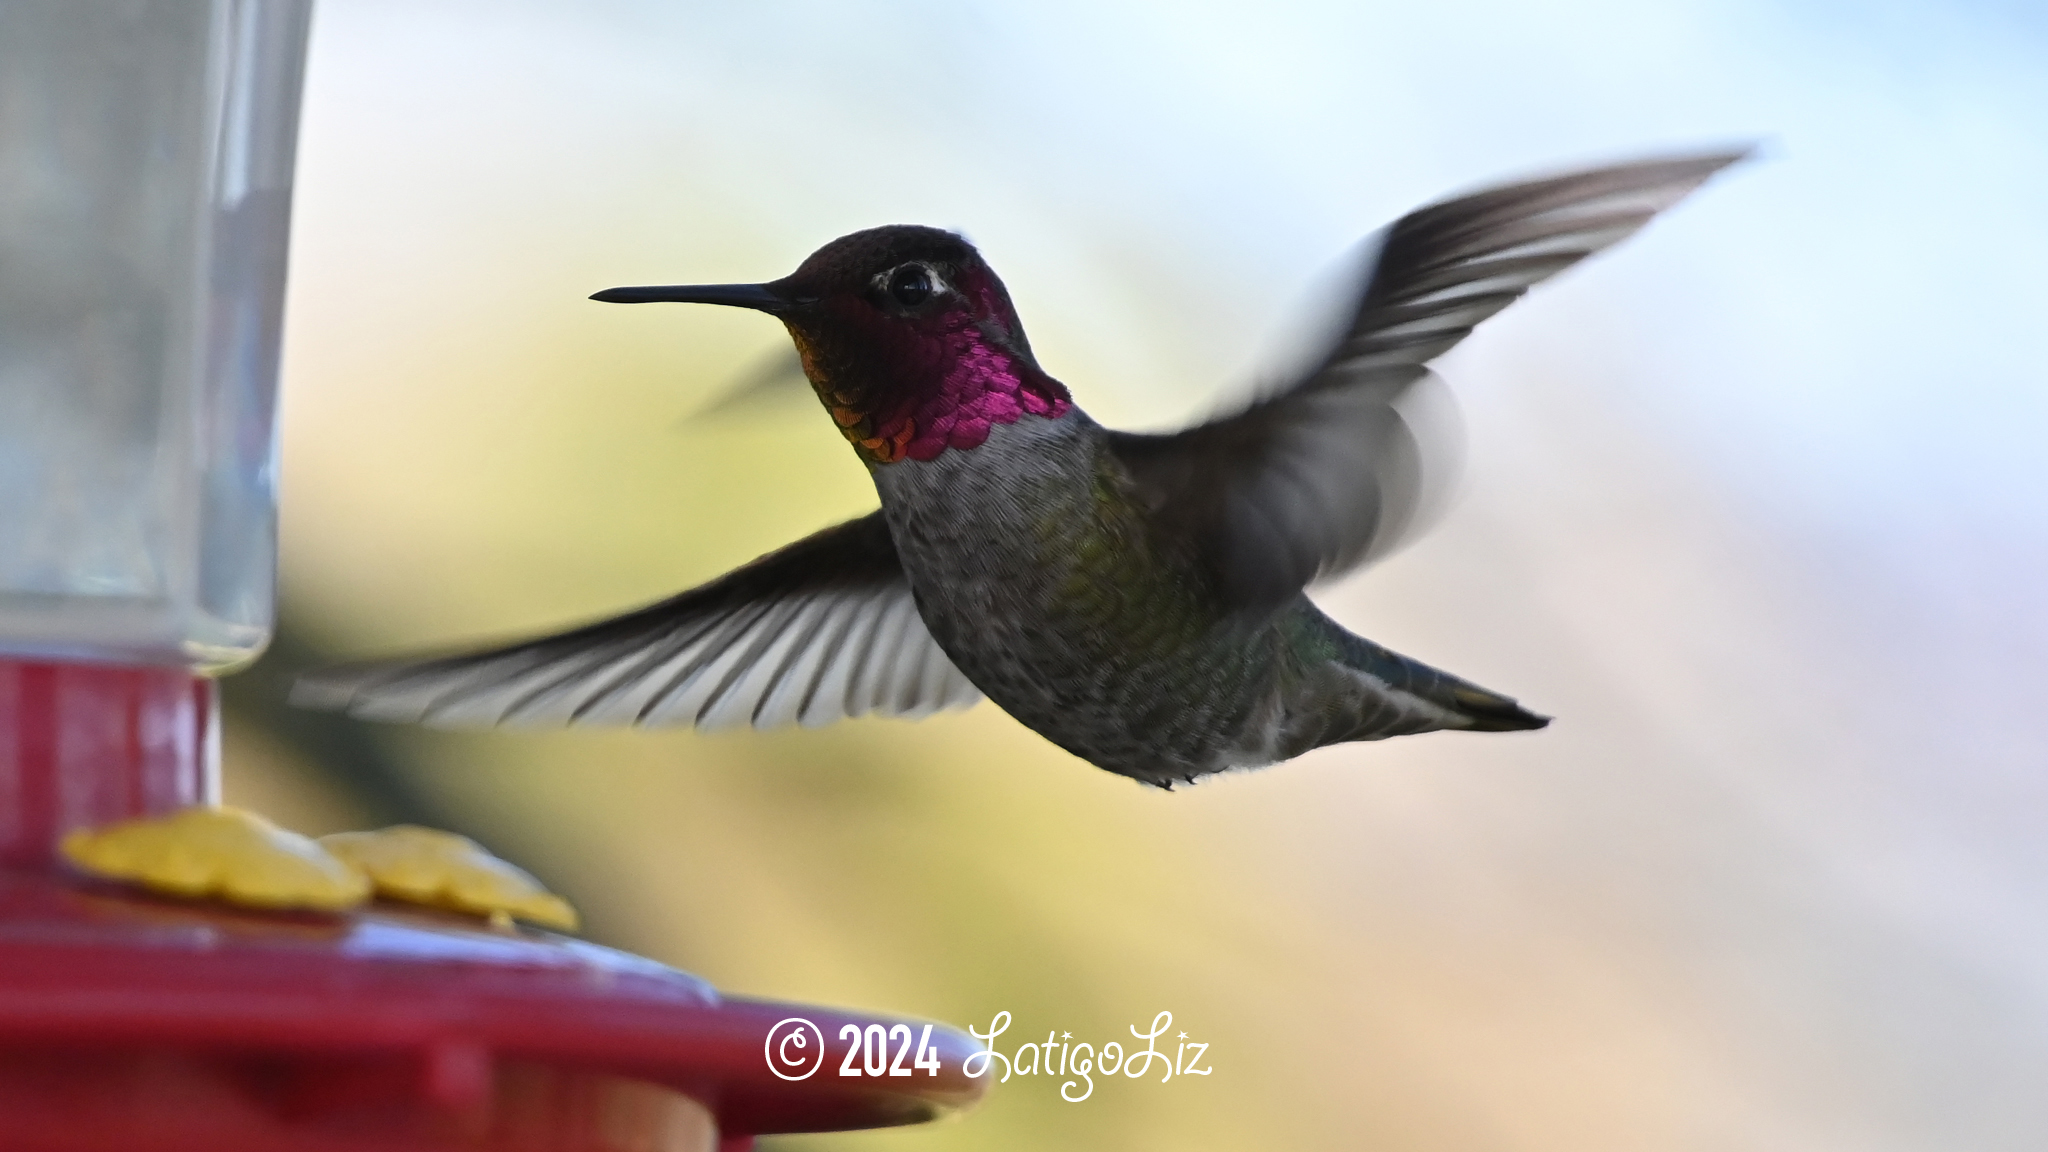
pixel 148 1025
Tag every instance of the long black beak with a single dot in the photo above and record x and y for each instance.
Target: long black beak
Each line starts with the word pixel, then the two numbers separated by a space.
pixel 759 297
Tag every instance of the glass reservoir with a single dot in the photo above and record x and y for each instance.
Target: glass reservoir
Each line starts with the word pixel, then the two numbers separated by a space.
pixel 145 193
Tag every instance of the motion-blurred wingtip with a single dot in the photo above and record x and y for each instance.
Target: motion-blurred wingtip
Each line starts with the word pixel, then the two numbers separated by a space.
pixel 319 692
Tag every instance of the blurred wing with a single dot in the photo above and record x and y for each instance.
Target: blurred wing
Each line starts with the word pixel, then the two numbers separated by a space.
pixel 774 377
pixel 1332 469
pixel 823 629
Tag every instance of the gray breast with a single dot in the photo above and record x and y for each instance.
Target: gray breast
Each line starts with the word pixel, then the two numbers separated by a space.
pixel 989 535
pixel 1035 577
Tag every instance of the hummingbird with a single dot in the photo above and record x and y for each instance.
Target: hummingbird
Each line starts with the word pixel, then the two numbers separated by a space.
pixel 1138 599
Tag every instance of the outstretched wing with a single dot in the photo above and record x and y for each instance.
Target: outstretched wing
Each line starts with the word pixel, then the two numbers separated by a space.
pixel 1329 470
pixel 823 629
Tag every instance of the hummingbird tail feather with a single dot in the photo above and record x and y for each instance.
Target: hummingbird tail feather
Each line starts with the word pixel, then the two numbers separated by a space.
pixel 1469 707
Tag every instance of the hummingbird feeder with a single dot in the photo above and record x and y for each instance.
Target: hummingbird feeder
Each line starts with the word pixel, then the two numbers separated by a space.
pixel 146 152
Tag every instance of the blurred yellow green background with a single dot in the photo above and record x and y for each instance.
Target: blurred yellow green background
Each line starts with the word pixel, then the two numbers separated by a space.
pixel 1752 506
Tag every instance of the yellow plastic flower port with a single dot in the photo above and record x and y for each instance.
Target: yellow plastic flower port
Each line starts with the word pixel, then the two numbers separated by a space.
pixel 443 870
pixel 222 852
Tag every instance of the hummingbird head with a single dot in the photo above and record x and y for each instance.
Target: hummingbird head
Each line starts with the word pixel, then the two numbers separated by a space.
pixel 906 334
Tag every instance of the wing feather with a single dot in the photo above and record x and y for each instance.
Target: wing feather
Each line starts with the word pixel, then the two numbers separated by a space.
pixel 824 700
pixel 824 629
pixel 1338 466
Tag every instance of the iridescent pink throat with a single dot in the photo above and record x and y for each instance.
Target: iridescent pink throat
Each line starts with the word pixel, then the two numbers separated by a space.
pixel 981 385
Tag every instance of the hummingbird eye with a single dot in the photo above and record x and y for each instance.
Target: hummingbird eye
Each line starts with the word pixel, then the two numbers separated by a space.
pixel 910 285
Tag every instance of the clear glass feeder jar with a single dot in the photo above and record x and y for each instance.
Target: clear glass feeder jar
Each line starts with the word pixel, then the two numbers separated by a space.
pixel 146 154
